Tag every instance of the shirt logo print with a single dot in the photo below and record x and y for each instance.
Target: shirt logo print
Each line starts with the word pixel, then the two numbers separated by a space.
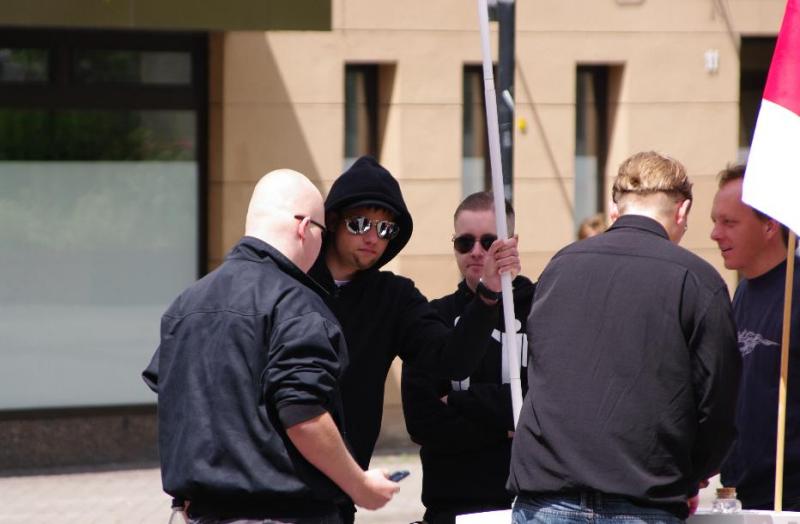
pixel 748 341
pixel 499 336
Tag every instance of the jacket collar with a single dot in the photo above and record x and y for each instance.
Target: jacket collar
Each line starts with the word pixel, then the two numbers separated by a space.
pixel 256 250
pixel 640 222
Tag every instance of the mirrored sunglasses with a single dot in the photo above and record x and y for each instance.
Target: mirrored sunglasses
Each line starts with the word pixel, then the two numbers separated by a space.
pixel 464 243
pixel 359 225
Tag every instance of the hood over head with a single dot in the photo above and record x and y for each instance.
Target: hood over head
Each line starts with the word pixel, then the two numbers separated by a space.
pixel 367 183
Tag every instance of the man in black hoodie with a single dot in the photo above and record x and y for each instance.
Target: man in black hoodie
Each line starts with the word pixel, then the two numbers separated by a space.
pixel 465 427
pixel 384 315
pixel 249 409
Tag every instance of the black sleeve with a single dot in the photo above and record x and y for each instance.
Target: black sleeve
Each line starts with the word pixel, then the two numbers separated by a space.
pixel 485 403
pixel 303 369
pixel 150 374
pixel 716 368
pixel 429 344
pixel 437 426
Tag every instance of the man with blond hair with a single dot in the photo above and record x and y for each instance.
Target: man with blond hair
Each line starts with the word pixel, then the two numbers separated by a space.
pixel 633 370
pixel 247 376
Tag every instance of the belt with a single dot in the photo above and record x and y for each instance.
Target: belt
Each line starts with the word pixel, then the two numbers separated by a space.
pixel 260 509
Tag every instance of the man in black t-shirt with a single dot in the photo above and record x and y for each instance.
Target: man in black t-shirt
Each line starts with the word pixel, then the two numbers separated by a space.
pixel 755 245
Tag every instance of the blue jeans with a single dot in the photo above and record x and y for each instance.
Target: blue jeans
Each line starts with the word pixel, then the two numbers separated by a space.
pixel 585 508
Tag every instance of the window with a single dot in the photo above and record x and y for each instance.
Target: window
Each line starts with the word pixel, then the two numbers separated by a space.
pixel 591 139
pixel 102 147
pixel 360 112
pixel 756 55
pixel 476 174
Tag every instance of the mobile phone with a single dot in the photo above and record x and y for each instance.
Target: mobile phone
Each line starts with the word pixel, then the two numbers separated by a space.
pixel 400 474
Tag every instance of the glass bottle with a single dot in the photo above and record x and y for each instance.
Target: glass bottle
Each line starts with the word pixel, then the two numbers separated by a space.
pixel 726 501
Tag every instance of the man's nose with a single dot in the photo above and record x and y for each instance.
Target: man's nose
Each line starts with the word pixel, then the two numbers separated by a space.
pixel 715 236
pixel 371 235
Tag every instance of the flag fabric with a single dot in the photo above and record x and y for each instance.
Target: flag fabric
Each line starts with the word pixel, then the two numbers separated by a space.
pixel 772 178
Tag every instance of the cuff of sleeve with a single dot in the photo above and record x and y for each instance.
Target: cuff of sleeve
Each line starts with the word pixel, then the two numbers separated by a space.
pixel 293 414
pixel 454 398
pixel 485 305
pixel 694 489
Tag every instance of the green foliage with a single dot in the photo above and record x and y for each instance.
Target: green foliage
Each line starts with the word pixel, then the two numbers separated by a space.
pixel 89 135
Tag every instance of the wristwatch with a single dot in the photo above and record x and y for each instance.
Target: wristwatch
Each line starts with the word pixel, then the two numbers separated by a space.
pixel 487 293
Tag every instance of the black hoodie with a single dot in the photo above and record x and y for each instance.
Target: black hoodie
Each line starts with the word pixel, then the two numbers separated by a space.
pixel 384 315
pixel 466 449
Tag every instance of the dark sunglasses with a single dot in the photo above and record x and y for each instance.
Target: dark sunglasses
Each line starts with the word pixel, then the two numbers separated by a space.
pixel 314 222
pixel 359 225
pixel 464 243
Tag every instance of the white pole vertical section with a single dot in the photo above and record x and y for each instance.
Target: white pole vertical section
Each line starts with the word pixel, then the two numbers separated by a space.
pixel 500 208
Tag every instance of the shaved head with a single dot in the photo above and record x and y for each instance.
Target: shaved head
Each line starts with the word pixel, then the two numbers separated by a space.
pixel 279 198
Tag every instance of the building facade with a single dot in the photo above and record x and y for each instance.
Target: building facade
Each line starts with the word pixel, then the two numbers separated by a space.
pixel 133 141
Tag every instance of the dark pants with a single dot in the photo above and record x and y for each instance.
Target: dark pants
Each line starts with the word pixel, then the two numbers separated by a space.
pixel 325 519
pixel 347 514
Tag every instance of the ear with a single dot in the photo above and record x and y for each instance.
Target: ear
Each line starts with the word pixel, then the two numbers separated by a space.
pixel 771 228
pixel 302 228
pixel 613 213
pixel 682 213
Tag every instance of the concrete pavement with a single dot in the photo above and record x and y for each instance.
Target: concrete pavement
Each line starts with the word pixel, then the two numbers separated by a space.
pixel 133 496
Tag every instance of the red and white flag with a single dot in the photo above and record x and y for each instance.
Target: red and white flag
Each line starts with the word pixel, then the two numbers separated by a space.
pixel 772 178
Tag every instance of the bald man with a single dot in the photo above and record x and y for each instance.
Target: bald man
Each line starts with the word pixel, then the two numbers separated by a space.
pixel 247 376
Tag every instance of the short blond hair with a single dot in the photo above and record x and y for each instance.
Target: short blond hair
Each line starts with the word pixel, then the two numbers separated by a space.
pixel 649 172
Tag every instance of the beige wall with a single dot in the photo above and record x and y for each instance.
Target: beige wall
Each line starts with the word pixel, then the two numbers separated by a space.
pixel 277 101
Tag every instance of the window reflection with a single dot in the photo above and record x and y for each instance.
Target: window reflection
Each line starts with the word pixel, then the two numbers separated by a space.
pixel 23 65
pixel 591 139
pixel 476 170
pixel 756 54
pixel 132 67
pixel 360 112
pixel 101 207
pixel 97 135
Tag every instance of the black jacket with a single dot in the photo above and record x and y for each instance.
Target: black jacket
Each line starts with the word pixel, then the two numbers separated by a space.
pixel 246 351
pixel 633 371
pixel 384 315
pixel 465 445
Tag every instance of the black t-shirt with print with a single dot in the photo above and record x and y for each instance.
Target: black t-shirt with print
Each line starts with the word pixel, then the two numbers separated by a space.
pixel 750 467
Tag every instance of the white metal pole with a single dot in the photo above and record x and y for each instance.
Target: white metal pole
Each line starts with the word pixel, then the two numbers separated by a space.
pixel 500 208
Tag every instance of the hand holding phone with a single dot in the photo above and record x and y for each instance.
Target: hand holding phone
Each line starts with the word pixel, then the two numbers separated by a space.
pixel 397 476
